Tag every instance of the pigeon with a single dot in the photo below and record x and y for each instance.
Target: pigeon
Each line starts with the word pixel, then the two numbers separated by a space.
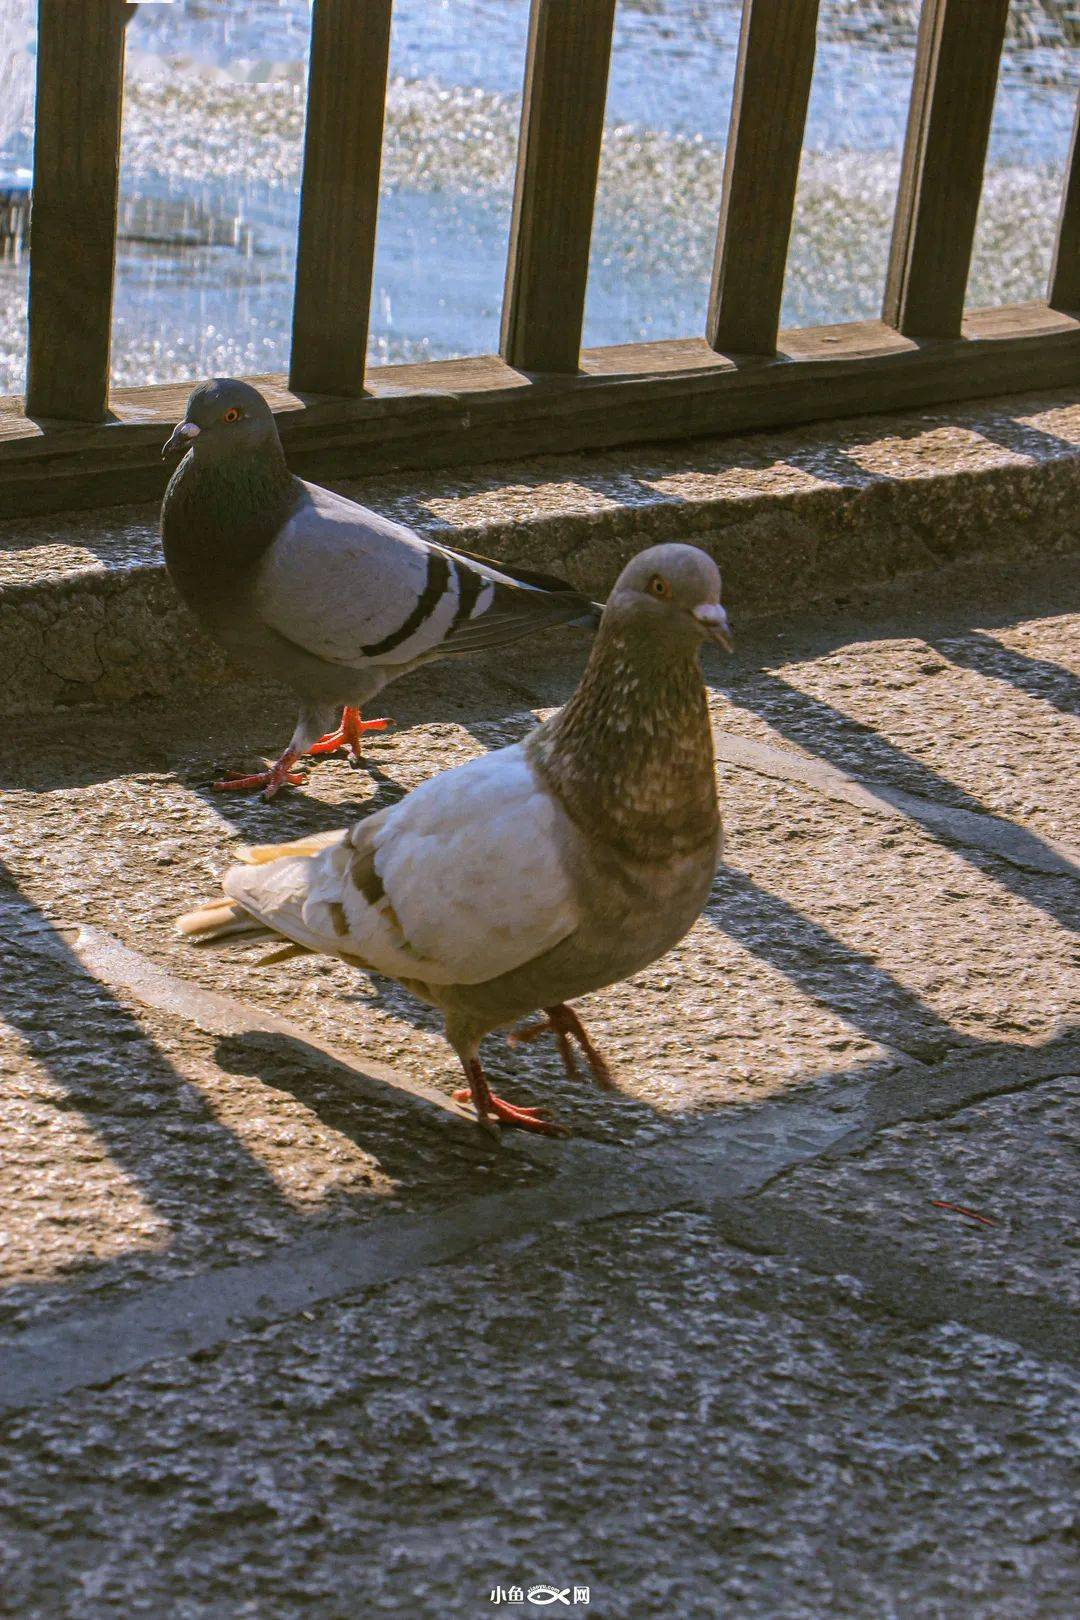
pixel 538 872
pixel 327 596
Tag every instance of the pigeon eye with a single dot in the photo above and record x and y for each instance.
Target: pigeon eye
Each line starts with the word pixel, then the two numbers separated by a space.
pixel 659 586
pixel 231 415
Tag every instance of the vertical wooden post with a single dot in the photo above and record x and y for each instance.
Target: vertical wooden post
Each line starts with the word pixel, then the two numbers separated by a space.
pixel 1064 290
pixel 339 201
pixel 562 123
pixel 952 104
pixel 80 74
pixel 761 170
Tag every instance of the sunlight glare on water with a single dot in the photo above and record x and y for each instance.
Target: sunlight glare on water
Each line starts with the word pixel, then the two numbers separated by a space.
pixel 212 144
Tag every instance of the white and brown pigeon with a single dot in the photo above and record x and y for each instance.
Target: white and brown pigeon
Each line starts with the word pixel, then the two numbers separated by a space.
pixel 541 871
pixel 317 591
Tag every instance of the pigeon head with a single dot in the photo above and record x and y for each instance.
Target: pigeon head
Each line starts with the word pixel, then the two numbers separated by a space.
pixel 670 593
pixel 224 418
pixel 630 755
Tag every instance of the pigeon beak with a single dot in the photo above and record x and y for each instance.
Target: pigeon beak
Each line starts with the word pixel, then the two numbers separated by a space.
pixel 714 621
pixel 183 436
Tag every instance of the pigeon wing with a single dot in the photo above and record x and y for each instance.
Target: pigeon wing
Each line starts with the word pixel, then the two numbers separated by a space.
pixel 460 882
pixel 514 606
pixel 353 587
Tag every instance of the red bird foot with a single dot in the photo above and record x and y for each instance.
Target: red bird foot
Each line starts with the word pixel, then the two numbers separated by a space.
pixel 563 1022
pixel 279 774
pixel 492 1111
pixel 348 734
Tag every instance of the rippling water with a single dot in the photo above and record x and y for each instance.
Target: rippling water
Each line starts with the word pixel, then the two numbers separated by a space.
pixel 212 145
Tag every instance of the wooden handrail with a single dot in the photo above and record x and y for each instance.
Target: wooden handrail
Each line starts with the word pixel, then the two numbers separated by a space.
pixel 761 169
pixel 1064 290
pixel 543 393
pixel 562 123
pixel 80 75
pixel 460 412
pixel 952 104
pixel 350 48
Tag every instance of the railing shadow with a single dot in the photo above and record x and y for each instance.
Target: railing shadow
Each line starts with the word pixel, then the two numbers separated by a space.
pixel 819 964
pixel 122 537
pixel 1024 438
pixel 1037 677
pixel 856 748
pixel 206 1188
pixel 122 1082
pixel 828 971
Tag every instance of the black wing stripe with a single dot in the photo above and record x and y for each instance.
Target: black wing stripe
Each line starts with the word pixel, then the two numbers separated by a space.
pixel 469 584
pixel 438 578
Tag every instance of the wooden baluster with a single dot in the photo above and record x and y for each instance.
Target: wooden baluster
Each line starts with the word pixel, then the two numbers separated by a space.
pixel 80 83
pixel 350 48
pixel 952 104
pixel 562 122
pixel 1064 290
pixel 761 170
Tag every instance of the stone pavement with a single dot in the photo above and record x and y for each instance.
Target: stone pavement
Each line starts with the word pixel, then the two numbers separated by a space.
pixel 788 1330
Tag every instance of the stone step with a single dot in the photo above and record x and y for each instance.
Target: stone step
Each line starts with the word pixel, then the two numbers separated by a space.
pixel 805 516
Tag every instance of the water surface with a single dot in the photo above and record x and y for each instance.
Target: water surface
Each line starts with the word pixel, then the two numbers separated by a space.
pixel 212 147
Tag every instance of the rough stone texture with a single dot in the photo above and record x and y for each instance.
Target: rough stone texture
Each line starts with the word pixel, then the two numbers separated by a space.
pixel 803 516
pixel 137 1149
pixel 837 942
pixel 100 636
pixel 1011 1160
pixel 984 718
pixel 686 1429
pixel 636 1403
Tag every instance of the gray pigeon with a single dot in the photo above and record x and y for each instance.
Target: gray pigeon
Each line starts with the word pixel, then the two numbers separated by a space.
pixel 325 595
pixel 538 872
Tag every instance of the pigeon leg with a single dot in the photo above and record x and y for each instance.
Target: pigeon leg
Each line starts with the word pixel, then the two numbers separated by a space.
pixel 563 1022
pixel 348 734
pixel 492 1111
pixel 544 1026
pixel 280 773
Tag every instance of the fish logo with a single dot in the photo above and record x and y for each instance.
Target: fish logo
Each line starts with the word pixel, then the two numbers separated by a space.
pixel 549 1594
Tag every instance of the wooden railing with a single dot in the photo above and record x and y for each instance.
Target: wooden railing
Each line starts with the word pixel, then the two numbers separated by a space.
pixel 541 393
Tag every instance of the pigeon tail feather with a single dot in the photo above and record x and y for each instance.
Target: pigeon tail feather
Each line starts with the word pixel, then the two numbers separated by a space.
pixel 259 854
pixel 217 919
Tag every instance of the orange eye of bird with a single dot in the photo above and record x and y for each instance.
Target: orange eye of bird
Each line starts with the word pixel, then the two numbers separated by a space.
pixel 659 587
pixel 231 415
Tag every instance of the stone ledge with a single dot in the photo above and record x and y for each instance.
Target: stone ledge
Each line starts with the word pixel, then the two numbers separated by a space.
pixel 803 516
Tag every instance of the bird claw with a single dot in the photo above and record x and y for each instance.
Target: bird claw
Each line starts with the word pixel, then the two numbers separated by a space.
pixel 510 1115
pixel 348 734
pixel 276 777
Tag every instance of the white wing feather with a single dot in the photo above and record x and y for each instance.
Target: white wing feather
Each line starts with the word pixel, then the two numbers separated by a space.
pixel 470 865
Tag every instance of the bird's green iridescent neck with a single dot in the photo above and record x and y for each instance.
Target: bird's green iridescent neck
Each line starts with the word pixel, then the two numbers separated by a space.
pixel 219 516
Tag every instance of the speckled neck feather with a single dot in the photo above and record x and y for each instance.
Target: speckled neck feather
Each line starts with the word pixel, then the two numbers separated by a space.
pixel 631 754
pixel 218 518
